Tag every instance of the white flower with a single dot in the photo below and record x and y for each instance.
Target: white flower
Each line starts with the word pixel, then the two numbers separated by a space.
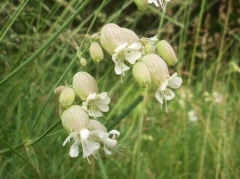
pixel 157 3
pixel 82 137
pixel 108 139
pixel 125 53
pixel 218 97
pixel 164 93
pixel 95 103
pixel 192 116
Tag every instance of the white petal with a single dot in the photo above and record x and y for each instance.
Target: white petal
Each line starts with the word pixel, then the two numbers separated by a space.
pixel 119 70
pixel 114 132
pixel 74 150
pixel 133 56
pixel 159 96
pixel 134 46
pixel 153 1
pixel 164 85
pixel 102 107
pixel 84 106
pixel 174 81
pixel 121 47
pixel 89 147
pixel 91 96
pixel 114 57
pixel 107 152
pixel 110 142
pixel 71 135
pixel 103 95
pixel 94 113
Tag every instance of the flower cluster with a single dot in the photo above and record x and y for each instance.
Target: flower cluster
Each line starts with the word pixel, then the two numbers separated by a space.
pixel 89 133
pixel 149 59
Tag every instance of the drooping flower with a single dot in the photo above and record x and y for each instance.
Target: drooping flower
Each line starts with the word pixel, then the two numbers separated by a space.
pixel 158 2
pixel 125 53
pixel 82 137
pixel 107 138
pixel 75 120
pixel 164 94
pixel 95 104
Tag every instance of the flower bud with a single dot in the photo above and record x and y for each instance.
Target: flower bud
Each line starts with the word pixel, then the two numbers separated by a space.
pixel 111 37
pixel 96 52
pixel 141 74
pixel 131 36
pixel 95 37
pixel 83 62
pixel 167 53
pixel 157 68
pixel 141 4
pixel 59 89
pixel 148 48
pixel 84 84
pixel 74 118
pixel 67 97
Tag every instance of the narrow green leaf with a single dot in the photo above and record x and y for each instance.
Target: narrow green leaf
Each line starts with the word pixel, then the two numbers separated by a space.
pixel 32 158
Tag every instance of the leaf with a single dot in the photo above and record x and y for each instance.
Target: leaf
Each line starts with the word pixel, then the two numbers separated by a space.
pixel 32 158
pixel 30 151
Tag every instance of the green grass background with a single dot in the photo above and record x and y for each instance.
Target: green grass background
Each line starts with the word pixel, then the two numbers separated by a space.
pixel 205 36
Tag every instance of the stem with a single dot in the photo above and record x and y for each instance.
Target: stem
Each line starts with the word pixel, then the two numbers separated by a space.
pixel 46 44
pixel 196 41
pixel 11 20
pixel 125 112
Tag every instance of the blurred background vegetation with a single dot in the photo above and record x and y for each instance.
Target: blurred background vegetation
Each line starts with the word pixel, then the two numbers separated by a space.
pixel 199 136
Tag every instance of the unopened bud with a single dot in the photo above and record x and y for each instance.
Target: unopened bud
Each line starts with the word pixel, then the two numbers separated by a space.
pixel 83 62
pixel 131 36
pixel 157 68
pixel 111 37
pixel 141 74
pixel 67 97
pixel 167 53
pixel 96 52
pixel 148 48
pixel 74 118
pixel 84 84
pixel 141 4
pixel 59 89
pixel 95 37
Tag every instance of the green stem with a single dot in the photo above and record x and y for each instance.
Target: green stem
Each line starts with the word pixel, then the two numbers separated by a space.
pixel 106 74
pixel 125 112
pixel 196 41
pixel 11 20
pixel 46 44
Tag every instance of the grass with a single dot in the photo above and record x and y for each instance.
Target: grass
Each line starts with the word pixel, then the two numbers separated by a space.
pixel 37 53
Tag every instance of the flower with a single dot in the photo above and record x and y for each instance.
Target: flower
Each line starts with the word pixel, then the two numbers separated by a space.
pixel 192 116
pixel 157 2
pixel 125 53
pixel 164 93
pixel 95 103
pixel 75 120
pixel 106 139
pixel 82 137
